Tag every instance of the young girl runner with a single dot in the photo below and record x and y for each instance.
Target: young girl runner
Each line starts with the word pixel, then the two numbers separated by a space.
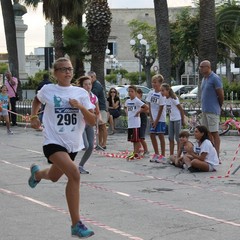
pixel 4 105
pixel 204 155
pixel 66 111
pixel 176 115
pixel 157 112
pixel 88 134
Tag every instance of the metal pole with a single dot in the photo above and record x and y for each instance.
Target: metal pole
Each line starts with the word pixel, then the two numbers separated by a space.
pixel 140 72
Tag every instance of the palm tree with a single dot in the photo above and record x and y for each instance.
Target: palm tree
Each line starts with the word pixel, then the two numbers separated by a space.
pixel 99 26
pixel 228 26
pixel 53 11
pixel 10 33
pixel 207 33
pixel 163 38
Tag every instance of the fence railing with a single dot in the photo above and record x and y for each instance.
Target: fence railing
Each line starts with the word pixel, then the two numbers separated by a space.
pixel 24 108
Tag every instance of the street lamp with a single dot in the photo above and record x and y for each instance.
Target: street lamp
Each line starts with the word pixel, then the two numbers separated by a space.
pixel 114 64
pixel 141 49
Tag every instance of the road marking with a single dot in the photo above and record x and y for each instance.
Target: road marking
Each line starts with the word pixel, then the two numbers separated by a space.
pixel 54 208
pixel 163 204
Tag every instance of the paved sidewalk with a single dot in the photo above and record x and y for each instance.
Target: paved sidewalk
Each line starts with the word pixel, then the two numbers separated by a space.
pixel 120 200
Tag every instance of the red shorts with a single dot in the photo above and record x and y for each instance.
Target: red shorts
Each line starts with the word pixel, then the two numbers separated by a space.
pixel 133 134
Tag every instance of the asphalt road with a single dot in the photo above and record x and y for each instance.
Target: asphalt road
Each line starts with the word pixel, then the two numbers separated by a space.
pixel 120 200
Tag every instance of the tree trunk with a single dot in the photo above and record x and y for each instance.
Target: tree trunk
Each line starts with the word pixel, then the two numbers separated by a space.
pixel 163 38
pixel 10 33
pixel 207 29
pixel 58 37
pixel 98 59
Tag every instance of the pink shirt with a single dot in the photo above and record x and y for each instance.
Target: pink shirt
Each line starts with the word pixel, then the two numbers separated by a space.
pixel 11 93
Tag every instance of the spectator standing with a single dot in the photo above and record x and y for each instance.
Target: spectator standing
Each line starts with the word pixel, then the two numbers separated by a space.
pixel 40 85
pixel 134 107
pixel 143 127
pixel 176 115
pixel 157 112
pixel 114 107
pixel 211 99
pixel 66 112
pixel 4 106
pixel 98 90
pixel 12 83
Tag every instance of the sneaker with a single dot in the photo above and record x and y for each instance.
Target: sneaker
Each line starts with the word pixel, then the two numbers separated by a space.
pixel 81 231
pixel 32 182
pixel 131 156
pixel 146 154
pixel 154 158
pixel 98 147
pixel 9 132
pixel 161 159
pixel 82 170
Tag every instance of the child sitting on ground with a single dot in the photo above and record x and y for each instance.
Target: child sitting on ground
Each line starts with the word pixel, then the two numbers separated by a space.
pixel 204 156
pixel 178 160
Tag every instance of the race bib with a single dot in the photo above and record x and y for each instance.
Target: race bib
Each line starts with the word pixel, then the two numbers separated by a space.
pixel 66 119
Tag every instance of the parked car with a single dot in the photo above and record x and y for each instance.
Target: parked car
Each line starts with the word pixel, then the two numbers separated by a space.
pixel 123 91
pixel 191 95
pixel 182 89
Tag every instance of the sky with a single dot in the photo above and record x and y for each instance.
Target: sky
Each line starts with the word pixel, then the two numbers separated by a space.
pixel 35 34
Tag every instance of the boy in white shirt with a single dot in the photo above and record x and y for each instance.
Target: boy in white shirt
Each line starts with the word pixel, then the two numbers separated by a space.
pixel 157 112
pixel 134 107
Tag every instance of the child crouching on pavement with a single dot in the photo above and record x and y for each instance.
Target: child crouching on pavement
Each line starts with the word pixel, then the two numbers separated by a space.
pixel 178 160
pixel 134 106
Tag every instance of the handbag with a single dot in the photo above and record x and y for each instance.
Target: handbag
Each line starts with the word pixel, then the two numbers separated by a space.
pixel 16 94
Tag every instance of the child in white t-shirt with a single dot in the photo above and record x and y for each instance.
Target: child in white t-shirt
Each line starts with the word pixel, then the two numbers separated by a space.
pixel 157 112
pixel 204 154
pixel 134 106
pixel 176 115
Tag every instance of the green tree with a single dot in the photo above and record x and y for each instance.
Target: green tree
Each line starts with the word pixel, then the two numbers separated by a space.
pixel 228 26
pixel 163 38
pixel 75 42
pixel 3 67
pixel 54 11
pixel 145 53
pixel 98 20
pixel 184 40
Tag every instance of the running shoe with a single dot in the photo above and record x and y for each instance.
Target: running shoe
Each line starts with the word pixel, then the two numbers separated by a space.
pixel 154 158
pixel 81 231
pixel 9 132
pixel 32 182
pixel 146 154
pixel 130 156
pixel 161 159
pixel 82 170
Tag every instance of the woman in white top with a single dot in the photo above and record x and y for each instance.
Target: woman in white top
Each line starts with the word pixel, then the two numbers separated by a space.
pixel 205 158
pixel 67 109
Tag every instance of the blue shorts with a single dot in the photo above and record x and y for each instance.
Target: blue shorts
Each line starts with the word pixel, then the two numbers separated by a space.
pixel 160 128
pixel 50 149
